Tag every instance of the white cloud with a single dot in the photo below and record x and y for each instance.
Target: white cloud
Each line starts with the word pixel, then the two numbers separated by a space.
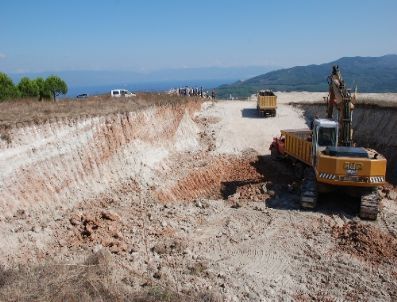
pixel 2 56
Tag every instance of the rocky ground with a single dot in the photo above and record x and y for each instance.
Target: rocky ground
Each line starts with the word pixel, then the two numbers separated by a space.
pixel 179 203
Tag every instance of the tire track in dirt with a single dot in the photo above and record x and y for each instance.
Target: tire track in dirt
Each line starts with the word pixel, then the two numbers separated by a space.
pixel 258 254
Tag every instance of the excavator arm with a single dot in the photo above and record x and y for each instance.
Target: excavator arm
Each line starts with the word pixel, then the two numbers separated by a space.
pixel 341 98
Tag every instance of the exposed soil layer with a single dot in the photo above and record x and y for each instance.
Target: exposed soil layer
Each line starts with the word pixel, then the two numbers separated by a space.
pixel 210 177
pixel 366 242
pixel 56 163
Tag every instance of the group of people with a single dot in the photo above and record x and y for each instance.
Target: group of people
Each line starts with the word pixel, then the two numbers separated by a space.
pixel 193 91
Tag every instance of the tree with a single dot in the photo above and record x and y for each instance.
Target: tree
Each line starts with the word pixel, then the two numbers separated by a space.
pixel 7 88
pixel 56 86
pixel 28 88
pixel 44 93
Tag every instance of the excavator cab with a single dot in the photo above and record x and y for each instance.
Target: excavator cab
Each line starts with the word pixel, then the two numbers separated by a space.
pixel 325 134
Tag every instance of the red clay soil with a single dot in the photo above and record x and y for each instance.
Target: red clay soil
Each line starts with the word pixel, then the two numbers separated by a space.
pixel 93 223
pixel 366 242
pixel 241 177
pixel 251 191
pixel 220 178
pixel 99 227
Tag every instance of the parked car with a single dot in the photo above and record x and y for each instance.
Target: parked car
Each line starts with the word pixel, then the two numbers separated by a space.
pixel 117 93
pixel 82 96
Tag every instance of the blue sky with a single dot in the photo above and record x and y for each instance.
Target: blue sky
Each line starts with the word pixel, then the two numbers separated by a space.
pixel 44 35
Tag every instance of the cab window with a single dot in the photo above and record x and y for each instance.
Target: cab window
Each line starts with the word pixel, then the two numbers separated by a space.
pixel 326 137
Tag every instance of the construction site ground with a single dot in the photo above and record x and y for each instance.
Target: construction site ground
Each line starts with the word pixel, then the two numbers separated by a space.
pixel 180 201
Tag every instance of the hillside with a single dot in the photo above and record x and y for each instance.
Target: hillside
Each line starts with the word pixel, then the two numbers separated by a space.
pixel 370 74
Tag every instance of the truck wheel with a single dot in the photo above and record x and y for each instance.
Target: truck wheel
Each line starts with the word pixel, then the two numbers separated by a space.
pixel 274 113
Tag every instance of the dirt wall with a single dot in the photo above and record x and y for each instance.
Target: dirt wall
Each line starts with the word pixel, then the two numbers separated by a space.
pixel 62 161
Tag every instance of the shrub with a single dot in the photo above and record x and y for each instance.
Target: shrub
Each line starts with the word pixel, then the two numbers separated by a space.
pixel 28 88
pixel 7 88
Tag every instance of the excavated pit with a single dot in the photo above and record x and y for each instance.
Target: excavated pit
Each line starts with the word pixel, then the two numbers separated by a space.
pixel 373 127
pixel 143 203
pixel 165 150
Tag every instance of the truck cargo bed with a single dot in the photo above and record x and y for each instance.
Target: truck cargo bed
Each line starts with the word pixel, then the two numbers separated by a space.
pixel 298 144
pixel 267 102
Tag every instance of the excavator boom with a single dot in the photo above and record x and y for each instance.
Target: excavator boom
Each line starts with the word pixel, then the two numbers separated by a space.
pixel 341 98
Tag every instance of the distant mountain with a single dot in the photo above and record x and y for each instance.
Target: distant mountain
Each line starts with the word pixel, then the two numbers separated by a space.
pixel 370 74
pixel 89 81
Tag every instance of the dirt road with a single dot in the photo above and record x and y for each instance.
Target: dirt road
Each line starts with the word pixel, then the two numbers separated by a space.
pixel 240 127
pixel 179 202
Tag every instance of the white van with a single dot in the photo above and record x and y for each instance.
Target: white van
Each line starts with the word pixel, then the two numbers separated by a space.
pixel 117 93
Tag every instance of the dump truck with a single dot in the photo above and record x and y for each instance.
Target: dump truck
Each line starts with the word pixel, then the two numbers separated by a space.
pixel 266 103
pixel 326 158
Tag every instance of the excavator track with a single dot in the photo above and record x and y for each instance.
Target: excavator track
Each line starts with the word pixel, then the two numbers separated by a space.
pixel 369 206
pixel 308 197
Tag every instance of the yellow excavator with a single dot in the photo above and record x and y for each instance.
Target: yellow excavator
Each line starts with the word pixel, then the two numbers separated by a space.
pixel 330 159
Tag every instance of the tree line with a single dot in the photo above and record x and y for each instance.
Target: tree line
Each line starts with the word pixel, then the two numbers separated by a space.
pixel 43 89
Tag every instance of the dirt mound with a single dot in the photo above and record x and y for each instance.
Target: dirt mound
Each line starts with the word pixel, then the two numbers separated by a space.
pixel 211 177
pixel 100 227
pixel 251 191
pixel 245 177
pixel 366 242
